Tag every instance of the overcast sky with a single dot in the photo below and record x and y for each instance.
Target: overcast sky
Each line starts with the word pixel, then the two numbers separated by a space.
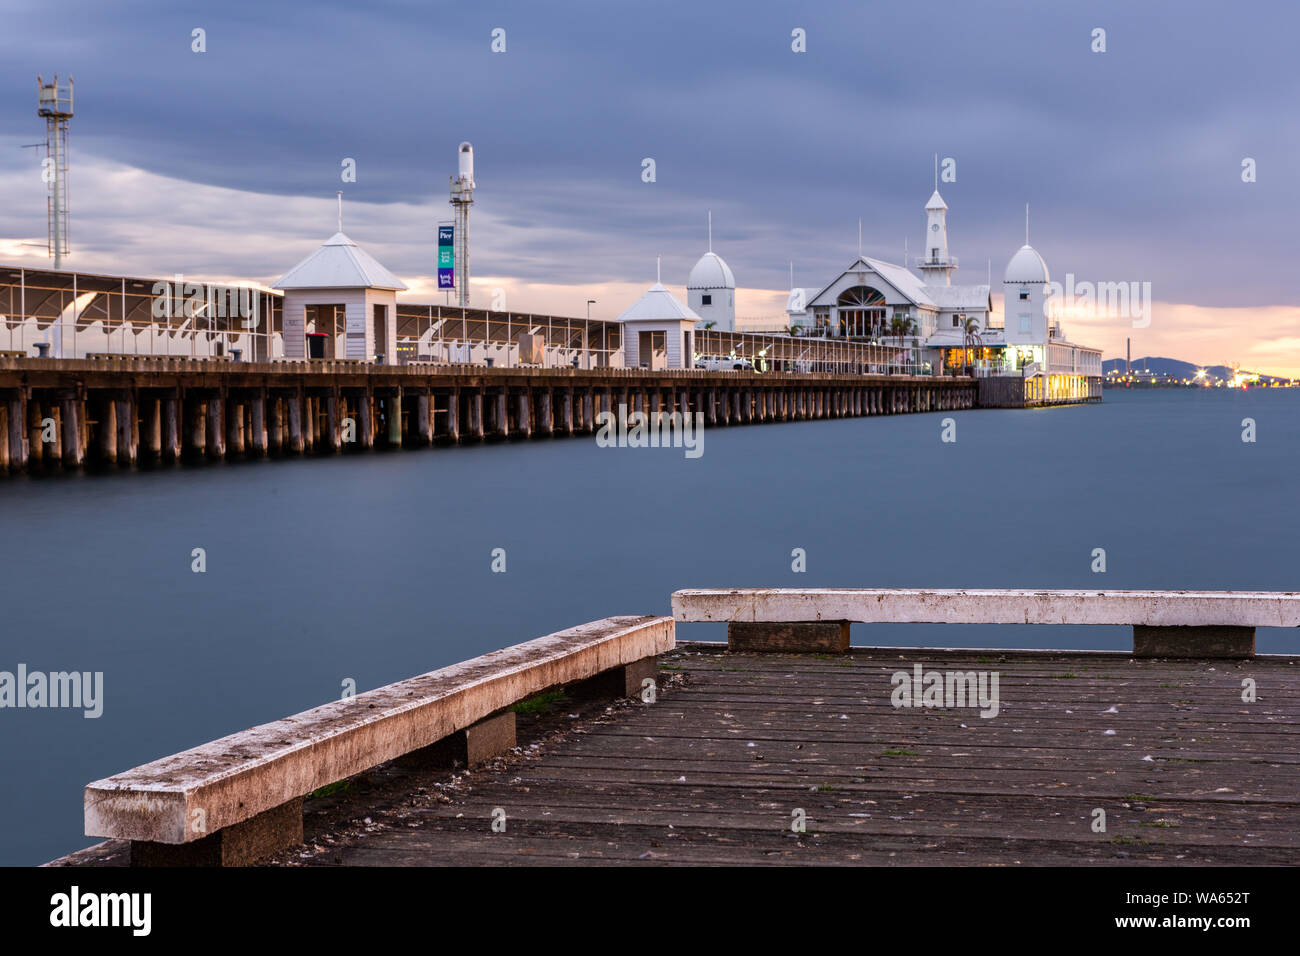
pixel 227 162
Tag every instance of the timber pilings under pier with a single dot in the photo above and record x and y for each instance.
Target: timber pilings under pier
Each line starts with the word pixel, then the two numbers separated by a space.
pixel 125 410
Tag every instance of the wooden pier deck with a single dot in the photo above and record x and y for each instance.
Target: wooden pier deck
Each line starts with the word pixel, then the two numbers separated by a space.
pixel 714 770
pixel 57 414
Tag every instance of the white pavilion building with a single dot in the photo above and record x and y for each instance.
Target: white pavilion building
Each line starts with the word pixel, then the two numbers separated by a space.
pixel 952 325
pixel 658 331
pixel 340 302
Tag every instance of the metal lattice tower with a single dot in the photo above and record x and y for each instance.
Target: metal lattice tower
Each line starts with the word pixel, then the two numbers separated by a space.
pixel 54 102
pixel 462 197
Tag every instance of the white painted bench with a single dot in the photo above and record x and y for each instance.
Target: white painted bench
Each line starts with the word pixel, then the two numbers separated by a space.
pixel 239 798
pixel 1165 623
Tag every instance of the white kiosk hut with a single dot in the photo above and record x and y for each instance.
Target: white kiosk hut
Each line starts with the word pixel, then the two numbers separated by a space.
pixel 658 331
pixel 340 303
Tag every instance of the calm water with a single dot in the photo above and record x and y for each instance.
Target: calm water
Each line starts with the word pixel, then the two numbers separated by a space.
pixel 377 568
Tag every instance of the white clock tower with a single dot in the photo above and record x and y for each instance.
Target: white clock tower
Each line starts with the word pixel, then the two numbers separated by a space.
pixel 935 263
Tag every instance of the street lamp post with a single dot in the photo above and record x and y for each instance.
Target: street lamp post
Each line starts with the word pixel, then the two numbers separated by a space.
pixel 586 341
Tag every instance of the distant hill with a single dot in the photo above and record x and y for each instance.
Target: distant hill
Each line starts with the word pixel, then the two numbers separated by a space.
pixel 1174 368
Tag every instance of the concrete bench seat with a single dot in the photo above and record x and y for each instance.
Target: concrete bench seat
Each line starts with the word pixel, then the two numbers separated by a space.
pixel 239 798
pixel 1165 623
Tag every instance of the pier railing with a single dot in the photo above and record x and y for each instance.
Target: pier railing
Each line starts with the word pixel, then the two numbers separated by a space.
pixel 239 798
pixel 1199 624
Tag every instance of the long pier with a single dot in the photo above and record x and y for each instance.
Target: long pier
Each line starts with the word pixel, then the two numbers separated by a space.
pixel 129 410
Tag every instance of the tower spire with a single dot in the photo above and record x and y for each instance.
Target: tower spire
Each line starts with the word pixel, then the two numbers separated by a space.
pixel 1026 223
pixel 659 269
pixel 936 172
pixel 710 230
pixel 340 229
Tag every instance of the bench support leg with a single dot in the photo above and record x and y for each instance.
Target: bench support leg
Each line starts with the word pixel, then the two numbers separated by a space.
pixel 821 637
pixel 626 680
pixel 474 745
pixel 1203 642
pixel 240 845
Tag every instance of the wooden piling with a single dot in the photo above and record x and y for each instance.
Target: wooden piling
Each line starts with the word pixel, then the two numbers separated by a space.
pixel 34 431
pixel 151 412
pixel 17 439
pixel 332 426
pixel 171 428
pixel 216 430
pixel 423 420
pixel 311 423
pixel 393 418
pixel 566 410
pixel 257 424
pixel 500 426
pixel 475 422
pixel 133 419
pixel 525 419
pixel 546 407
pixel 125 414
pixel 275 426
pixel 73 450
pixel 108 431
pixel 453 415
pixel 234 427
pixel 366 421
pixel 296 442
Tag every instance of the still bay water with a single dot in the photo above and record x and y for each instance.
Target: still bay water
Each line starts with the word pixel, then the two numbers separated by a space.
pixel 378 567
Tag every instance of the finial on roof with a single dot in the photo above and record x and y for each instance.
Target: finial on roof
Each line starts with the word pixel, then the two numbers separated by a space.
pixel 936 172
pixel 1026 223
pixel 340 229
pixel 859 237
pixel 659 268
pixel 710 230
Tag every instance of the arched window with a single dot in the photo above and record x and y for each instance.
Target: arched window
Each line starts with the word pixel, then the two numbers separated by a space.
pixel 861 311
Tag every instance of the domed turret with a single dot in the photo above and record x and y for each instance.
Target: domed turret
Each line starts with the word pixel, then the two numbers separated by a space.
pixel 1024 298
pixel 711 272
pixel 1026 268
pixel 711 290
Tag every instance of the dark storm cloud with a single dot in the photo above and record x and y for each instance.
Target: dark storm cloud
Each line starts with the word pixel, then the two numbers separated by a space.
pixel 1131 159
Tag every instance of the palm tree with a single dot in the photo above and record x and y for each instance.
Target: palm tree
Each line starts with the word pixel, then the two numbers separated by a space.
pixel 972 337
pixel 902 326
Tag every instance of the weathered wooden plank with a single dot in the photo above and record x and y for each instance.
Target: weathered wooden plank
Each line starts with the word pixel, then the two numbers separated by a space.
pixel 710 774
pixel 234 778
pixel 989 606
